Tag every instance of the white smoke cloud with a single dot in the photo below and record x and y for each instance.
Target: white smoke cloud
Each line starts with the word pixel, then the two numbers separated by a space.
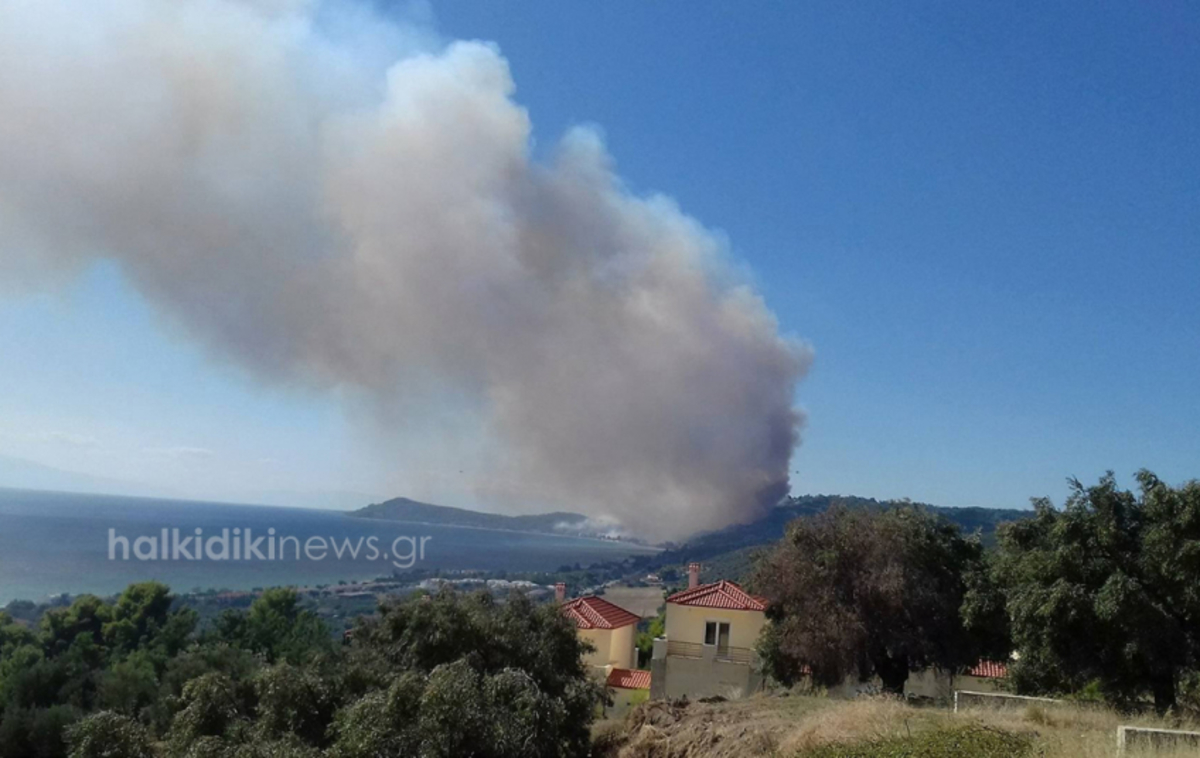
pixel 328 199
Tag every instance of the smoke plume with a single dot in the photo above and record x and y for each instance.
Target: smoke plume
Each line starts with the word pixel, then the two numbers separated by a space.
pixel 331 200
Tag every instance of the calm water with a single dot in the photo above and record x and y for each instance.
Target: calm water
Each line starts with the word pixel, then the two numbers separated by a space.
pixel 57 542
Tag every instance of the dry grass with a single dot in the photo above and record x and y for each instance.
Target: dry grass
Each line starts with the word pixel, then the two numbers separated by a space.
pixel 1075 731
pixel 786 726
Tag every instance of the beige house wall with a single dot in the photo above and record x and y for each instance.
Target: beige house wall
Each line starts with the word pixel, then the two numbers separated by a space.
pixel 686 624
pixel 621 652
pixel 601 640
pixel 614 647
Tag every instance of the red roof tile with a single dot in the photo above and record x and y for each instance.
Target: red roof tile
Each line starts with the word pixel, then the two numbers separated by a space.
pixel 988 670
pixel 629 679
pixel 723 594
pixel 593 612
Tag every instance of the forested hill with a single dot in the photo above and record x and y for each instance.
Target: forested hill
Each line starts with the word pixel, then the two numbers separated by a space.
pixel 767 529
pixel 403 509
pixel 771 527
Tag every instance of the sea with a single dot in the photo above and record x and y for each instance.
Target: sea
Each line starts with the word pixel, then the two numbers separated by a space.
pixel 54 543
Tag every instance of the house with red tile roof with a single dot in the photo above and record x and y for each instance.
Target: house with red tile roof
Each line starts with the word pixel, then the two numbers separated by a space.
pixel 627 688
pixel 724 594
pixel 612 632
pixel 709 645
pixel 988 670
pixel 629 679
pixel 610 629
pixel 933 683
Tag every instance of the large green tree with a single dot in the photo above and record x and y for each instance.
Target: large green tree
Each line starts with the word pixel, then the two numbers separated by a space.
pixel 868 593
pixel 1106 589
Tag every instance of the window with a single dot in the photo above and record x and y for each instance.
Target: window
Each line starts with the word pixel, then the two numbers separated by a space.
pixel 717 633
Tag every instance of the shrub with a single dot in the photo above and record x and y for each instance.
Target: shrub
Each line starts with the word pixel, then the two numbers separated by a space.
pixel 36 732
pixel 952 742
pixel 294 700
pixel 109 735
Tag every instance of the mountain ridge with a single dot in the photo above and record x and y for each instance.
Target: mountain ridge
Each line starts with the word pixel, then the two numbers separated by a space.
pixel 767 529
pixel 729 552
pixel 407 509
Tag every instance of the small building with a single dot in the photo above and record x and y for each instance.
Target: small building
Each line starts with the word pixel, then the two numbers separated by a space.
pixel 984 676
pixel 610 629
pixel 709 643
pixel 931 683
pixel 628 687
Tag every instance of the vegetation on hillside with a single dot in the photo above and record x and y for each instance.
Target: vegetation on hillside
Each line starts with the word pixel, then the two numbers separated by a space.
pixel 731 553
pixel 809 726
pixel 1099 597
pixel 440 675
pixel 947 742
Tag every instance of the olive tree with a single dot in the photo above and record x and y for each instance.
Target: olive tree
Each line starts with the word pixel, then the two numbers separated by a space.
pixel 1106 589
pixel 108 735
pixel 867 593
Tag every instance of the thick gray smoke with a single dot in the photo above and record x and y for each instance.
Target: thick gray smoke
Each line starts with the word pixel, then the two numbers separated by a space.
pixel 330 200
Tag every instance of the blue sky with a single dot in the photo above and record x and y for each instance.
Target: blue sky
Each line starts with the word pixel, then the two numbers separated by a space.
pixel 984 218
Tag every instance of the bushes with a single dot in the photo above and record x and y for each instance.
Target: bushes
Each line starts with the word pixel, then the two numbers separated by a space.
pixel 294 701
pixel 109 735
pixel 36 732
pixel 437 676
pixel 948 742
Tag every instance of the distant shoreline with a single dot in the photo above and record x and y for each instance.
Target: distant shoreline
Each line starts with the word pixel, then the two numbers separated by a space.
pixel 443 525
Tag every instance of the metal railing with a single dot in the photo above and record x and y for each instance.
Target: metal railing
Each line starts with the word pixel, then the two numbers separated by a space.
pixel 742 655
pixel 685 649
pixel 727 653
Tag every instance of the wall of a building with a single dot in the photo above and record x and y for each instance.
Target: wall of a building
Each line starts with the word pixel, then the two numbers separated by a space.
pixel 621 651
pixel 614 647
pixel 624 699
pixel 705 677
pixel 929 683
pixel 941 686
pixel 686 624
pixel 601 639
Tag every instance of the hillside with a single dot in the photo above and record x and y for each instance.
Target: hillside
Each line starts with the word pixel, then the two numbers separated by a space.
pixel 730 549
pixel 729 552
pixel 813 726
pixel 404 509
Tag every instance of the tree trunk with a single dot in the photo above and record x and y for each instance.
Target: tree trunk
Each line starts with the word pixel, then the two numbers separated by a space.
pixel 893 672
pixel 1163 687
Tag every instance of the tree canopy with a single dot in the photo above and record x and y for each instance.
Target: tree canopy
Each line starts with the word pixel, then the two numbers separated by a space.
pixel 505 679
pixel 442 675
pixel 1106 589
pixel 868 593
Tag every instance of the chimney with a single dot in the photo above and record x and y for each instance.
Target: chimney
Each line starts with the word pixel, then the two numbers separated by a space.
pixel 560 592
pixel 693 575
